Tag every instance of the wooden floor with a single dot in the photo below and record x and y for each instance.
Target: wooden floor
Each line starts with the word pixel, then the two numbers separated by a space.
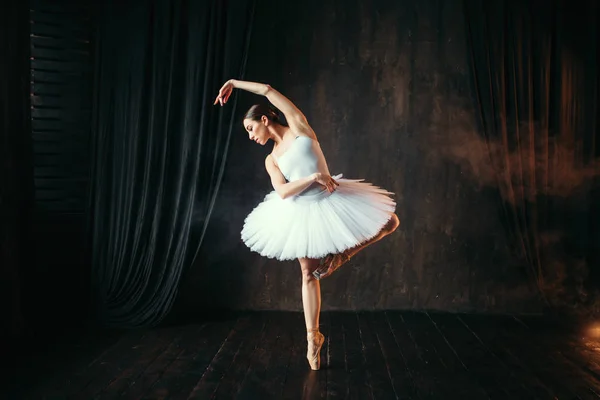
pixel 381 355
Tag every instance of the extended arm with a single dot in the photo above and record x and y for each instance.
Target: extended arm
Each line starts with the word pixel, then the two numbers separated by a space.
pixel 289 109
pixel 293 115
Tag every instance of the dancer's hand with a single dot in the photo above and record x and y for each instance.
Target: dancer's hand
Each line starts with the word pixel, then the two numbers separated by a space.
pixel 225 92
pixel 326 181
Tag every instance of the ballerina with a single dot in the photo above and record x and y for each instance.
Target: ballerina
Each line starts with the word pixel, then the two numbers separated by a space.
pixel 318 219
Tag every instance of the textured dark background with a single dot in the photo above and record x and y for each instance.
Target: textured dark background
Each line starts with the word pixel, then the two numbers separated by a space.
pixel 386 87
pixel 489 216
pixel 61 65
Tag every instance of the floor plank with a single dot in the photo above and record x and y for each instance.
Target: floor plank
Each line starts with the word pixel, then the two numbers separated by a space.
pixel 209 382
pixel 179 374
pixel 358 380
pixel 300 380
pixel 366 355
pixel 377 373
pixel 233 378
pixel 89 382
pixel 419 358
pixel 255 383
pixel 337 368
pixel 546 347
pixel 516 349
pixel 150 365
pixel 478 363
pixel 401 376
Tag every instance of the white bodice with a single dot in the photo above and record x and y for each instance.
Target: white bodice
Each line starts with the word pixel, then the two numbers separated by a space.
pixel 303 157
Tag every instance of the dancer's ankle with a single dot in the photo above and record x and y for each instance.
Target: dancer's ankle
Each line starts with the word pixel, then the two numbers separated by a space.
pixel 312 331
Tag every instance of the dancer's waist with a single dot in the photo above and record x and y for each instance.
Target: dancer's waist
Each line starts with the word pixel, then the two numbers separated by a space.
pixel 314 192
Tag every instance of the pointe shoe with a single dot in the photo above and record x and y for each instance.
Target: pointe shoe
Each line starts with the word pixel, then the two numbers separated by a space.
pixel 330 264
pixel 315 342
pixel 323 266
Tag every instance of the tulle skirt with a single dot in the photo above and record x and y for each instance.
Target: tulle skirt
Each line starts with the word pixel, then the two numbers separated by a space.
pixel 314 225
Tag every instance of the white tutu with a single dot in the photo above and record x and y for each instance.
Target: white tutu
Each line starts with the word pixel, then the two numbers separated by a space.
pixel 313 226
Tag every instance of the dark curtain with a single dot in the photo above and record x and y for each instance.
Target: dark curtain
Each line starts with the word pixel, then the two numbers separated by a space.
pixel 16 173
pixel 535 70
pixel 160 145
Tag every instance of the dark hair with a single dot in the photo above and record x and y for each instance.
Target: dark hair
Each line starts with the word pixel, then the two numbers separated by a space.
pixel 256 112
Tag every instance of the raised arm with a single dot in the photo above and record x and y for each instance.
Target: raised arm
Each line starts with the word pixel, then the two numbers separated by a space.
pixel 293 115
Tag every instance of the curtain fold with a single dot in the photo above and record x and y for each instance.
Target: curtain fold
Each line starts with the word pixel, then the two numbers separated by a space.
pixel 159 145
pixel 16 170
pixel 535 71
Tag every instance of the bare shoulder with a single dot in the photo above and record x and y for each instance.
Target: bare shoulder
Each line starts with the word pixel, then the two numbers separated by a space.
pixel 273 170
pixel 270 163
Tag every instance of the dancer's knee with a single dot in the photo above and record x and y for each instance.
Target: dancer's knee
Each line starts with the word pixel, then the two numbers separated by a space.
pixel 307 276
pixel 308 266
pixel 393 224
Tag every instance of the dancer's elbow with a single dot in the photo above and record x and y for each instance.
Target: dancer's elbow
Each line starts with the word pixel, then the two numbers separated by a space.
pixel 266 89
pixel 283 194
pixel 281 190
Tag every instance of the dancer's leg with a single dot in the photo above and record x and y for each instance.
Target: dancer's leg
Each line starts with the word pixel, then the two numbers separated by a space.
pixel 311 293
pixel 390 227
pixel 333 262
pixel 311 301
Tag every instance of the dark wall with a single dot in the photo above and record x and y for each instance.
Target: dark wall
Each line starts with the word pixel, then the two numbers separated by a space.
pixel 386 87
pixel 16 180
pixel 61 90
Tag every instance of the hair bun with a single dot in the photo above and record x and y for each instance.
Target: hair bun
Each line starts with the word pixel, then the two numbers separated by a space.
pixel 258 110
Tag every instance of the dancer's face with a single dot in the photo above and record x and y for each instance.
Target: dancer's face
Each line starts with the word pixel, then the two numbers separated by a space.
pixel 257 130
